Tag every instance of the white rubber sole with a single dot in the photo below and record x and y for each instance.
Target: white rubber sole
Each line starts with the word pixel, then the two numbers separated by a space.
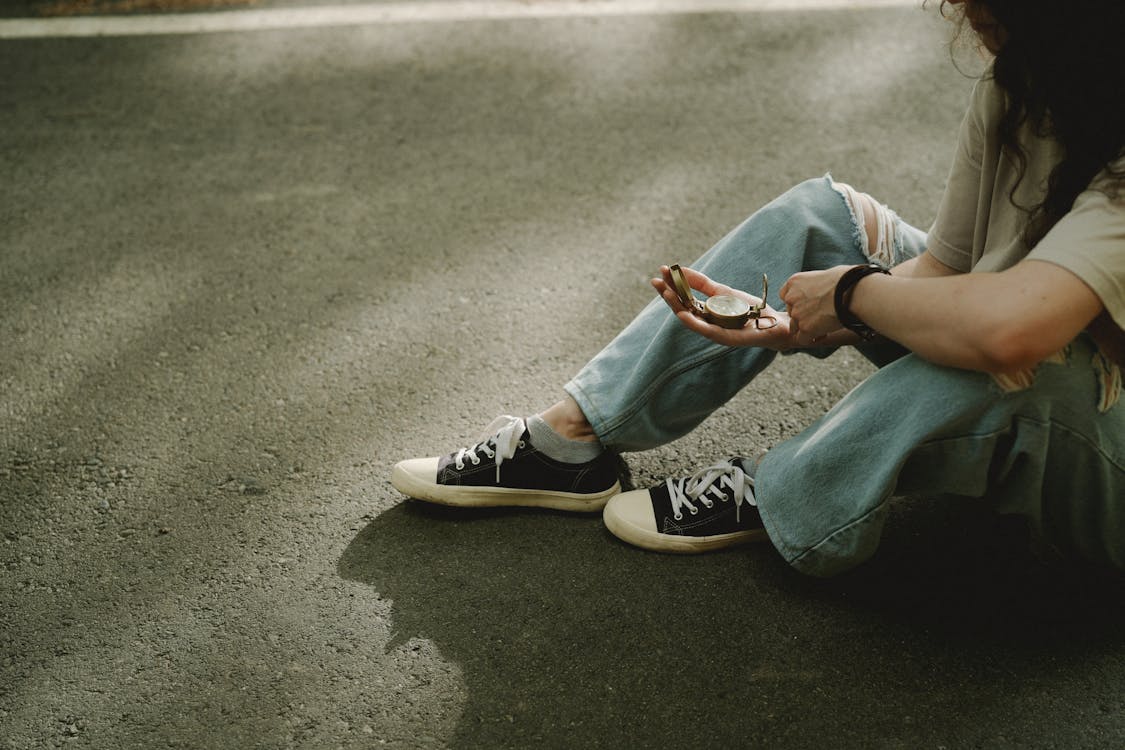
pixel 680 545
pixel 498 497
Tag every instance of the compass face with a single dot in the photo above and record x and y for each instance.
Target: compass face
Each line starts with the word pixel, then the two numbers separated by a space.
pixel 727 306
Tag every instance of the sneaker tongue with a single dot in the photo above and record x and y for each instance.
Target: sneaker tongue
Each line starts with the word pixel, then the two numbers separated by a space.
pixel 503 423
pixel 748 465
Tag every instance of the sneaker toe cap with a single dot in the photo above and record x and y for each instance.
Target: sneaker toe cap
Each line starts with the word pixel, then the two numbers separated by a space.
pixel 415 473
pixel 632 509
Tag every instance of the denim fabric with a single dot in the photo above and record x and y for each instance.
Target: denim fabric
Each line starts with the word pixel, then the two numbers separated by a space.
pixel 1045 452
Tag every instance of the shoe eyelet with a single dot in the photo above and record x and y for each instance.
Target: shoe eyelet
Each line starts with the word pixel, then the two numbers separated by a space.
pixel 708 504
pixel 694 511
pixel 475 460
pixel 523 444
pixel 678 516
pixel 460 466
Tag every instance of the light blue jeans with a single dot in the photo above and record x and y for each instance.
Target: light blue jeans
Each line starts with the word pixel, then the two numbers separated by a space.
pixel 1045 452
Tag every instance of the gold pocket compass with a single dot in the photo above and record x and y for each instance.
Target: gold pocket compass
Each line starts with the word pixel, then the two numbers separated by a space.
pixel 724 310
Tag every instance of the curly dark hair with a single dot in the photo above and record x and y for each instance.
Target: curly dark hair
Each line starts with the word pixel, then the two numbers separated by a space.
pixel 1059 63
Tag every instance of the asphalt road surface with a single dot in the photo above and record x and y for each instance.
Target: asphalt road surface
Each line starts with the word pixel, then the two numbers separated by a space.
pixel 243 273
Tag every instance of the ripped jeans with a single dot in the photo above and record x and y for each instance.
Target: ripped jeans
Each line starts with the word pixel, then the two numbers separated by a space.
pixel 1045 452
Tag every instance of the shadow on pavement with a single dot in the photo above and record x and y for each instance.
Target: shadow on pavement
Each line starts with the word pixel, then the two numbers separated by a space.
pixel 567 637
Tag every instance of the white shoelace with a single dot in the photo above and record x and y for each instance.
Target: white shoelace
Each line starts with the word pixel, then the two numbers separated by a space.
pixel 503 435
pixel 706 485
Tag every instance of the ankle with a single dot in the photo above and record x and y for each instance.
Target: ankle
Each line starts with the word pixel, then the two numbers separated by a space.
pixel 568 421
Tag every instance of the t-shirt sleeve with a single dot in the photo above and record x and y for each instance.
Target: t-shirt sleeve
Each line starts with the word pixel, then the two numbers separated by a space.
pixel 951 236
pixel 1090 243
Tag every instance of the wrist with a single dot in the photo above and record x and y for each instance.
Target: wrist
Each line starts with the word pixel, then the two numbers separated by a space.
pixel 845 291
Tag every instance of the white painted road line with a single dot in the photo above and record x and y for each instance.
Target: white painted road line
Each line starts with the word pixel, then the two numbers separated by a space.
pixel 392 13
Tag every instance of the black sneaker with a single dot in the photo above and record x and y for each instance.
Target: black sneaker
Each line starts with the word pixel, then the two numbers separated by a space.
pixel 712 509
pixel 505 469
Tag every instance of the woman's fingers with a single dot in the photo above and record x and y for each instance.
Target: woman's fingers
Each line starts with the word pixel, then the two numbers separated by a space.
pixel 703 283
pixel 696 280
pixel 667 285
pixel 669 295
pixel 783 292
pixel 711 288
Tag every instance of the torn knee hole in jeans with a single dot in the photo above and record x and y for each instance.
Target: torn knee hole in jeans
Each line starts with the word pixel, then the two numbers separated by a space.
pixel 1109 381
pixel 875 224
pixel 1108 374
pixel 1020 380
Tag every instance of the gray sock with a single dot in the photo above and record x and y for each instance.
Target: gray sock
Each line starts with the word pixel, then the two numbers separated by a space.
pixel 555 446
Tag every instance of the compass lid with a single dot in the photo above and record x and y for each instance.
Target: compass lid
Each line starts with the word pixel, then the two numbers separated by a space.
pixel 683 289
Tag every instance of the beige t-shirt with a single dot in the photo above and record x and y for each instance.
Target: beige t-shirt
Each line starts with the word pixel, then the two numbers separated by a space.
pixel 978 228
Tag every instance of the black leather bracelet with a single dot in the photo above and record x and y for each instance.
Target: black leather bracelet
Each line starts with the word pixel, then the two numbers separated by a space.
pixel 842 298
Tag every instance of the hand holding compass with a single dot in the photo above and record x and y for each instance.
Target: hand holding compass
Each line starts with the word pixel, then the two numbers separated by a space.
pixel 770 329
pixel 724 310
pixel 725 315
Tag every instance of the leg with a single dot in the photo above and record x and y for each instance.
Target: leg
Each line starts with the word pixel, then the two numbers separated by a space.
pixel 568 421
pixel 657 381
pixel 1045 453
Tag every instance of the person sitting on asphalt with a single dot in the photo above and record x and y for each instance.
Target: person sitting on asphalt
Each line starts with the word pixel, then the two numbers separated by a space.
pixel 998 337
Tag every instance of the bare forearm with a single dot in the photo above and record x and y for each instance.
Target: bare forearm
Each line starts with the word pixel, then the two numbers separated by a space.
pixel 924 266
pixel 984 321
pixel 937 318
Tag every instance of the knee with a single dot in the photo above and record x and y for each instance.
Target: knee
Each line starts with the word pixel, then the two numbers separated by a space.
pixel 806 204
pixel 875 224
pixel 863 208
pixel 816 194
